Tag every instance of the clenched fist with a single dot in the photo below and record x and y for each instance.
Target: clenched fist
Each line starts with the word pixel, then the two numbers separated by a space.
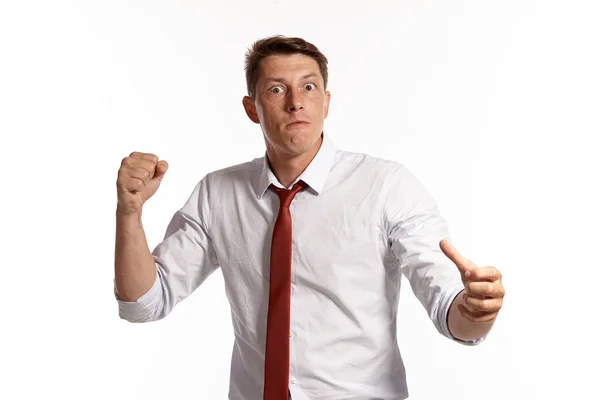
pixel 139 178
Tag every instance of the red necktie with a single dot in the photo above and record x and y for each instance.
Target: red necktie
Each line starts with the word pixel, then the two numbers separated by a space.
pixel 277 351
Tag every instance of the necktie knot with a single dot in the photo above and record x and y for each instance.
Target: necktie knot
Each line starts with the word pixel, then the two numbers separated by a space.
pixel 286 196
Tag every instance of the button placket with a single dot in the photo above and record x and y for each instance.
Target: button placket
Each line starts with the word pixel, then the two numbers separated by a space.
pixel 293 370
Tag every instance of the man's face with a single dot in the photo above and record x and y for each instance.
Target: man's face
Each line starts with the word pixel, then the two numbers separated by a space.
pixel 290 103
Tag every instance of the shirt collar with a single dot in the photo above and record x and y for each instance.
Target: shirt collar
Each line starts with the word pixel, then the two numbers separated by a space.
pixel 315 175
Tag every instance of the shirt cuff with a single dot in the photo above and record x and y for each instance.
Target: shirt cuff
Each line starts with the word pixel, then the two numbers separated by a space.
pixel 447 303
pixel 141 309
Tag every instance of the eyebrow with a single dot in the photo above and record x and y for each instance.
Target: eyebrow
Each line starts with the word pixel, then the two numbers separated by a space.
pixel 281 80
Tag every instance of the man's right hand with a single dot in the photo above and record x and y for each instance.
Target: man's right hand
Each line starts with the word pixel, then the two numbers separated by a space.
pixel 138 179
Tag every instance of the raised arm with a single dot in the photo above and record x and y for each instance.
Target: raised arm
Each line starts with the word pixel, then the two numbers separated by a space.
pixel 138 179
pixel 148 285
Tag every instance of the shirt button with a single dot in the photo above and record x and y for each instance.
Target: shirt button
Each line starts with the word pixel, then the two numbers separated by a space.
pixel 293 380
pixel 291 333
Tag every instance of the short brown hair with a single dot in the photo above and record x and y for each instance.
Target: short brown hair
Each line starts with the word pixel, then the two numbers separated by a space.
pixel 277 45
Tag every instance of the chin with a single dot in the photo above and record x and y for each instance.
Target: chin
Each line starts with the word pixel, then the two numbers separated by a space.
pixel 292 142
pixel 301 142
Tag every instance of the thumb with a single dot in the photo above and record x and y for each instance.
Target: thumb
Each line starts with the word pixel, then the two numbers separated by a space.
pixel 160 170
pixel 463 264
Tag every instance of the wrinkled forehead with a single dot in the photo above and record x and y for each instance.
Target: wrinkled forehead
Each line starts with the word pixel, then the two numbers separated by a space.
pixel 288 67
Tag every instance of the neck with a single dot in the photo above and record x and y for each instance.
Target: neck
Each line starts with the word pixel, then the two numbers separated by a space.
pixel 288 168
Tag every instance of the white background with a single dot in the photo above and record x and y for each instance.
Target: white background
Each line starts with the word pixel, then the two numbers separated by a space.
pixel 493 105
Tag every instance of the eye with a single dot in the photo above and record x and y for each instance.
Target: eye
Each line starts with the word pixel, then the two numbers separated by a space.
pixel 310 86
pixel 276 89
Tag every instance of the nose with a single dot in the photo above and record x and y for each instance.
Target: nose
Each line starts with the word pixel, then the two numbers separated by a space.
pixel 294 101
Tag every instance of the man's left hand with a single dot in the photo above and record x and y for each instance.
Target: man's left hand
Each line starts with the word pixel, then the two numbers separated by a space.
pixel 484 291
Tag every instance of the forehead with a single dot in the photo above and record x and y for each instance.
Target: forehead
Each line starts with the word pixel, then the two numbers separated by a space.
pixel 287 66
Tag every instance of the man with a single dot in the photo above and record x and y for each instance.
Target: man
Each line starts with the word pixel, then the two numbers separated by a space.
pixel 312 242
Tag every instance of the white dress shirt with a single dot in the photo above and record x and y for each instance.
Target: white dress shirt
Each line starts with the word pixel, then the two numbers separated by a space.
pixel 359 225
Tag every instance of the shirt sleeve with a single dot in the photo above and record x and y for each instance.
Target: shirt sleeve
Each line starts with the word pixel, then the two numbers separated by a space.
pixel 184 259
pixel 415 229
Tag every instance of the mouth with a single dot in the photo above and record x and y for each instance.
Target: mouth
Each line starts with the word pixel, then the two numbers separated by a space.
pixel 297 123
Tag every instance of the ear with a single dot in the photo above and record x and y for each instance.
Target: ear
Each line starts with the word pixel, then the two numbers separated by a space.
pixel 327 98
pixel 250 108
